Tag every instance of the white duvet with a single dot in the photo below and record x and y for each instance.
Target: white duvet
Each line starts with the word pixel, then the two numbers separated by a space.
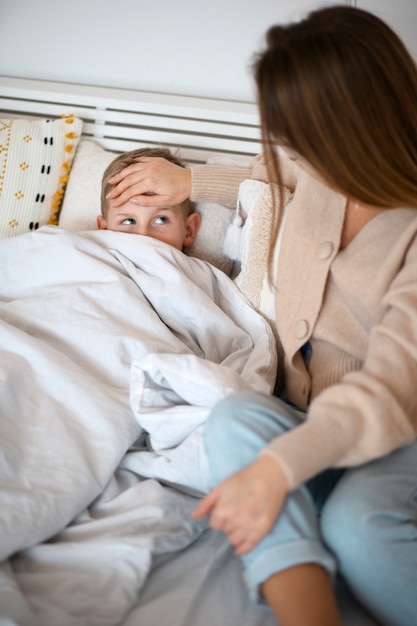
pixel 113 349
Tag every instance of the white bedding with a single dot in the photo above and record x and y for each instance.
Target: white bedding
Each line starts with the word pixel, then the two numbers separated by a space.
pixel 113 349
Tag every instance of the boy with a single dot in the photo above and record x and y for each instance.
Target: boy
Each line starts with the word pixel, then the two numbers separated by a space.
pixel 175 225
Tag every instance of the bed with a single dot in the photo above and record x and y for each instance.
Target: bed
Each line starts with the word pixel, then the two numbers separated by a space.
pixel 95 503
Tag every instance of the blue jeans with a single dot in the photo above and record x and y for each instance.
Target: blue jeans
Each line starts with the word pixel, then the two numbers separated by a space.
pixel 361 522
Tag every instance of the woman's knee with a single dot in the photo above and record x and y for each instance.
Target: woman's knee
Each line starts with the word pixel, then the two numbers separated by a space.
pixel 250 416
pixel 240 426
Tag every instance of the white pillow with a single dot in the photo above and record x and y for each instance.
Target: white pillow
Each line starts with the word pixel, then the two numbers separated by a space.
pixel 81 206
pixel 81 203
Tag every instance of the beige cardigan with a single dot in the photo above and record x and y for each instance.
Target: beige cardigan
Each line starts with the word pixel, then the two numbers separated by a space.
pixel 358 309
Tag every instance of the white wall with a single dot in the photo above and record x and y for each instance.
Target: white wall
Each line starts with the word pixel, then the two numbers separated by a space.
pixel 175 46
pixel 401 15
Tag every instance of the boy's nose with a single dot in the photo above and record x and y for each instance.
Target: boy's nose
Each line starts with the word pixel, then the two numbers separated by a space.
pixel 142 230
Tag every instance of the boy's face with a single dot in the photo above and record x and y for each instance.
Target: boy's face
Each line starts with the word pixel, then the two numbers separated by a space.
pixel 167 224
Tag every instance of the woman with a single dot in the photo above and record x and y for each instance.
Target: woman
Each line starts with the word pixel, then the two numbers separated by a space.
pixel 338 92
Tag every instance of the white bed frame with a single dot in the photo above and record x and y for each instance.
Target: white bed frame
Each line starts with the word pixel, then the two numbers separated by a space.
pixel 123 120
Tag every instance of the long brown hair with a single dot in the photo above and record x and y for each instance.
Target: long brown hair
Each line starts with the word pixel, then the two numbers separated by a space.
pixel 340 89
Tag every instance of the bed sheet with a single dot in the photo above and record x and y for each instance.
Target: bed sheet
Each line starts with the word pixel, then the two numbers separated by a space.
pixel 204 586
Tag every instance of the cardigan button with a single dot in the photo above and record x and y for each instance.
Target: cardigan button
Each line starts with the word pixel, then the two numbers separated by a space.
pixel 301 329
pixel 326 250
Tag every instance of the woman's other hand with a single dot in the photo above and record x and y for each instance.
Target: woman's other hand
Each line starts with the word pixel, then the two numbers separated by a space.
pixel 246 505
pixel 152 181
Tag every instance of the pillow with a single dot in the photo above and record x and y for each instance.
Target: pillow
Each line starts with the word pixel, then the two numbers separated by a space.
pixel 82 198
pixel 81 206
pixel 35 160
pixel 248 239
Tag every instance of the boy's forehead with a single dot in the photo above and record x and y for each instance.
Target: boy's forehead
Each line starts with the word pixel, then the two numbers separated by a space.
pixel 135 208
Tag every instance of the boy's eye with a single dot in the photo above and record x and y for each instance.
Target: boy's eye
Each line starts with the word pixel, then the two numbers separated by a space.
pixel 161 220
pixel 129 221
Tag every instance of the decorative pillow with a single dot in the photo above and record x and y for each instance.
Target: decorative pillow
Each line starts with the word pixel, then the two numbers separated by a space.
pixel 81 206
pixel 35 160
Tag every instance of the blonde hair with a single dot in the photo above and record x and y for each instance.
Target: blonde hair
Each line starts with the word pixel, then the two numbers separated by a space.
pixel 340 89
pixel 129 158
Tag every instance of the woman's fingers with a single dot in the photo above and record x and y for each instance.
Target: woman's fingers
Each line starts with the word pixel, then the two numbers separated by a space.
pixel 205 506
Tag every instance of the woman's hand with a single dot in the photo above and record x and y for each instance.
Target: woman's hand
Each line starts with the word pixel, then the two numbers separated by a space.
pixel 246 505
pixel 152 181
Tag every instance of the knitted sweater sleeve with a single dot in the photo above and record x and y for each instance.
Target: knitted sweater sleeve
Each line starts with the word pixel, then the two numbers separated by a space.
pixel 220 183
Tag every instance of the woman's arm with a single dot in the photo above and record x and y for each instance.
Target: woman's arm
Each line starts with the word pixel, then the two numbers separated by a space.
pixel 154 181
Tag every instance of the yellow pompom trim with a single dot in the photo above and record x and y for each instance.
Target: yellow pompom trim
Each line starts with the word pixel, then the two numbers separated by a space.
pixel 65 168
